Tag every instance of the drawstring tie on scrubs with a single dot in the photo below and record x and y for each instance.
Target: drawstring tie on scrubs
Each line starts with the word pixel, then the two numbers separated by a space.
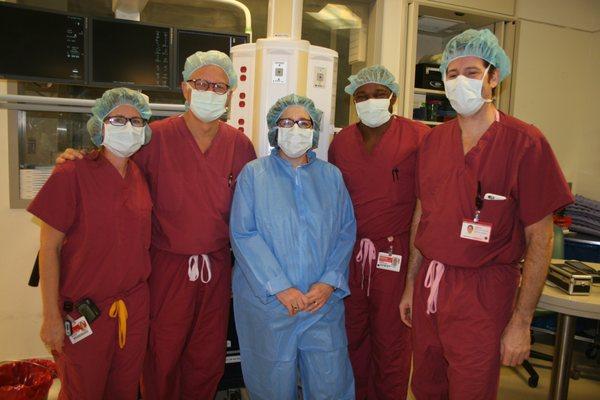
pixel 367 254
pixel 205 269
pixel 432 282
pixel 119 310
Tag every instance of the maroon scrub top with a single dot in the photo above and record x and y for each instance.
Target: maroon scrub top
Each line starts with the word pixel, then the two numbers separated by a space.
pixel 191 190
pixel 106 221
pixel 512 159
pixel 381 183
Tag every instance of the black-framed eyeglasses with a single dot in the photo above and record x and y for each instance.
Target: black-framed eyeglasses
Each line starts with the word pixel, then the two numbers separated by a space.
pixel 288 123
pixel 204 85
pixel 120 120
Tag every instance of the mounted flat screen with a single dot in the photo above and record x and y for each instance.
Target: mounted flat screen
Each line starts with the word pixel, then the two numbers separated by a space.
pixel 40 45
pixel 130 53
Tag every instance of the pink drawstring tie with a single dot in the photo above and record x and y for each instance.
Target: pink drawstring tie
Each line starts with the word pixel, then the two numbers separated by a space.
pixel 205 273
pixel 367 254
pixel 432 282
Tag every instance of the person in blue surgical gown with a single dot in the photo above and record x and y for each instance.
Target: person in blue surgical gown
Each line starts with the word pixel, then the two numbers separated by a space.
pixel 292 232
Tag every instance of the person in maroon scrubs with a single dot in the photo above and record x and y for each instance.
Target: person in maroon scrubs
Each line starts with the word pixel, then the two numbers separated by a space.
pixel 377 157
pixel 95 234
pixel 191 167
pixel 488 185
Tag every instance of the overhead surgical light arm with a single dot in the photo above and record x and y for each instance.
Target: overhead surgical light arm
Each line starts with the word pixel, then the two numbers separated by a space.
pixel 246 10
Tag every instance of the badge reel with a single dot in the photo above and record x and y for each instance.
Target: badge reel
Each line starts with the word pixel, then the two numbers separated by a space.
pixel 389 261
pixel 475 229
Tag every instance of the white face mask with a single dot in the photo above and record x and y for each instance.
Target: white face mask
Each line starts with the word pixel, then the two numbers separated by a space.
pixel 124 140
pixel 374 112
pixel 294 141
pixel 465 94
pixel 207 105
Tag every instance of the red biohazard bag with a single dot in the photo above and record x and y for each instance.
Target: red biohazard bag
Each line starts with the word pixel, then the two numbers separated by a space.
pixel 26 380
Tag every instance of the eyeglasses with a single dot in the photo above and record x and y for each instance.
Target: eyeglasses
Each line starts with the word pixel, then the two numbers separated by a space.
pixel 119 120
pixel 288 123
pixel 204 85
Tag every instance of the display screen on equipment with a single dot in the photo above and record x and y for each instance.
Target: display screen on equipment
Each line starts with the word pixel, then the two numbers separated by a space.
pixel 41 45
pixel 129 53
pixel 189 42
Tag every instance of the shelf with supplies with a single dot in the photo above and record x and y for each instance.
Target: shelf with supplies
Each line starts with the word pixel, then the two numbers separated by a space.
pixel 430 26
pixel 429 91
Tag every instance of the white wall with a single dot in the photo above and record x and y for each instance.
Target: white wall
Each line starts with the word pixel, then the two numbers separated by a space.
pixel 20 305
pixel 588 168
pixel 555 88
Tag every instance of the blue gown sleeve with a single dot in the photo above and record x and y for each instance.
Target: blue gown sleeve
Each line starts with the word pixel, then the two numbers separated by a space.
pixel 252 254
pixel 336 270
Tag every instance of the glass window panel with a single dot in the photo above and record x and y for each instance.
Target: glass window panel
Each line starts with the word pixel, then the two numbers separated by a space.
pixel 336 25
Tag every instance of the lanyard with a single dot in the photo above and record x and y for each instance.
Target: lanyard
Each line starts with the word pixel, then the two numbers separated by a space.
pixel 390 240
pixel 478 202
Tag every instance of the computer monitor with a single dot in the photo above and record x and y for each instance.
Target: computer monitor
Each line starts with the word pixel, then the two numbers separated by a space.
pixel 189 42
pixel 40 45
pixel 130 54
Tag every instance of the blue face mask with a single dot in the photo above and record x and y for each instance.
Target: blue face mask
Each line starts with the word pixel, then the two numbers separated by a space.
pixel 465 94
pixel 207 105
pixel 374 112
pixel 294 141
pixel 124 140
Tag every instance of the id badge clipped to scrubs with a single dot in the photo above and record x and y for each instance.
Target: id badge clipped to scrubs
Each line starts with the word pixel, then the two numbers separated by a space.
pixel 389 261
pixel 80 329
pixel 475 229
pixel 479 231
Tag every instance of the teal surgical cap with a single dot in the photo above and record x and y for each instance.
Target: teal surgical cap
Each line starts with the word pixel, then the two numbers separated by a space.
pixel 482 44
pixel 373 74
pixel 212 57
pixel 293 100
pixel 112 99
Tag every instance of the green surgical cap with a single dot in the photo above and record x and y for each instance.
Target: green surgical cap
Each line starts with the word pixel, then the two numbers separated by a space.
pixel 212 57
pixel 112 99
pixel 482 44
pixel 373 74
pixel 293 100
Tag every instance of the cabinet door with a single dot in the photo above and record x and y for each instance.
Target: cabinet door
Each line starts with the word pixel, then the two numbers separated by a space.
pixel 425 36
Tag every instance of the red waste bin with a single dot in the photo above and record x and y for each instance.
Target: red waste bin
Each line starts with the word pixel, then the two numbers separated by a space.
pixel 26 379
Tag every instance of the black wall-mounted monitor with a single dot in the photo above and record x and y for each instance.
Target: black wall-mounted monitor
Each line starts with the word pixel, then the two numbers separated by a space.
pixel 130 54
pixel 189 42
pixel 40 45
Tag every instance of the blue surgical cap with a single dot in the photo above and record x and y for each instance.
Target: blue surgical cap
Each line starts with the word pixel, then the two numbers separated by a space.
pixel 293 100
pixel 482 44
pixel 373 74
pixel 112 99
pixel 212 57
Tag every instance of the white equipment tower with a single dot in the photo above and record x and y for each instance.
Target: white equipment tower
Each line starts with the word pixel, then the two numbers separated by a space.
pixel 277 66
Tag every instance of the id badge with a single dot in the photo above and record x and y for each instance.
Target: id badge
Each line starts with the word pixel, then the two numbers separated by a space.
pixel 80 329
pixel 389 262
pixel 478 231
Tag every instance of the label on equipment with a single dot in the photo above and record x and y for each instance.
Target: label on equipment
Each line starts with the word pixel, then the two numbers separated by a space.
pixel 279 72
pixel 320 77
pixel 233 359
